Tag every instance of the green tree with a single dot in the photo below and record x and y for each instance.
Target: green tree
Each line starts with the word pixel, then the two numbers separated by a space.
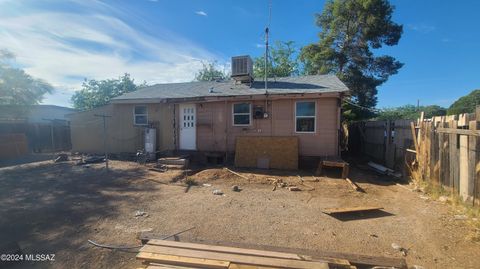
pixel 283 61
pixel 350 31
pixel 210 73
pixel 410 112
pixel 95 93
pixel 465 104
pixel 17 87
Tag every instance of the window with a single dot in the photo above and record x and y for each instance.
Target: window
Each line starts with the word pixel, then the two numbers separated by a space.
pixel 305 117
pixel 140 116
pixel 241 114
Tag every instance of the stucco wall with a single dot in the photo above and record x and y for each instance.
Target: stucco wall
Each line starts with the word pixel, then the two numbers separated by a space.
pixel 215 129
pixel 122 134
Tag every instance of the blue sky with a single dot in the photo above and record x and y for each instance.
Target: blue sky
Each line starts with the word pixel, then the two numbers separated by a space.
pixel 158 41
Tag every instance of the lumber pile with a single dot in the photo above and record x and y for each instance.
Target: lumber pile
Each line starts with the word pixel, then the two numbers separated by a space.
pixel 171 254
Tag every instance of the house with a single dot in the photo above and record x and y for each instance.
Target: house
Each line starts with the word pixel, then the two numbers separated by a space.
pixel 36 128
pixel 209 116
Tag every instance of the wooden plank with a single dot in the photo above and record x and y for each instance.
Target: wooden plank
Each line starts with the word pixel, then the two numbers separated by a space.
pixel 168 266
pixel 244 251
pixel 234 258
pixel 336 210
pixel 246 266
pixel 459 131
pixel 414 136
pixel 453 157
pixel 334 163
pixel 316 254
pixel 353 184
pixel 473 147
pixel 463 168
pixel 233 250
pixel 446 157
pixel 182 261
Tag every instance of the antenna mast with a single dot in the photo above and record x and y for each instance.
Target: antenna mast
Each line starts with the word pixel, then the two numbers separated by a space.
pixel 266 45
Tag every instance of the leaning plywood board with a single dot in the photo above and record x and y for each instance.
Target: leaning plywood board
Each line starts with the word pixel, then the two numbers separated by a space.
pixel 278 152
pixel 337 210
pixel 233 258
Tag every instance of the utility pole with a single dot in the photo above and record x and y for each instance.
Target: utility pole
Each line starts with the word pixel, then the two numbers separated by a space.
pixel 51 136
pixel 104 137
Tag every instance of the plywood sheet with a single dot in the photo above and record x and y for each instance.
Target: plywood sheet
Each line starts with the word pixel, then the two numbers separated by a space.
pixel 281 152
pixel 350 209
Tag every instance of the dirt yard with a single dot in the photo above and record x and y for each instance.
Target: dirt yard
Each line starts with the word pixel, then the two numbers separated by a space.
pixel 56 208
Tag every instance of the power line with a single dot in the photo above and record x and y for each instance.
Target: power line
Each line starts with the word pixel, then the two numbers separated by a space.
pixel 362 107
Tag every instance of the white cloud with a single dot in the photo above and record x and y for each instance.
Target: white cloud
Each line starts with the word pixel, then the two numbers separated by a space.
pixel 63 48
pixel 421 27
pixel 201 13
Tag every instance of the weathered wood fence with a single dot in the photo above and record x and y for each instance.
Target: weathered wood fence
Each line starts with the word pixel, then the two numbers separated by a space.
pixel 384 142
pixel 448 153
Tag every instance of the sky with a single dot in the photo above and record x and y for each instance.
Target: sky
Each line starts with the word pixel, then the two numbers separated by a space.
pixel 158 41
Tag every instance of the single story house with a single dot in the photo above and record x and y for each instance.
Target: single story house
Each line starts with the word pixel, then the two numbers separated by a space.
pixel 208 116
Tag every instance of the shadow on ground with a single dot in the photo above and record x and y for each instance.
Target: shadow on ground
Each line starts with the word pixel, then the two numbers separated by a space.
pixel 58 200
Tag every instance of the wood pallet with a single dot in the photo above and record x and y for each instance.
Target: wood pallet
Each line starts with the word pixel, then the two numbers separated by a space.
pixel 158 254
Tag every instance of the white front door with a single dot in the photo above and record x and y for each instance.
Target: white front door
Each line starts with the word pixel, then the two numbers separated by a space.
pixel 187 127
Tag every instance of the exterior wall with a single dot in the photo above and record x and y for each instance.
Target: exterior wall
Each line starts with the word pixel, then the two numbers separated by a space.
pixel 122 134
pixel 215 130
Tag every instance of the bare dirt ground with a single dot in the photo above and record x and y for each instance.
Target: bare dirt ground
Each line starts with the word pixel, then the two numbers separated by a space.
pixel 56 208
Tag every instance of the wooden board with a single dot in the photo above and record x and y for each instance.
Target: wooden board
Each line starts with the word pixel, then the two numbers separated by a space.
pixel 337 210
pixel 281 152
pixel 150 251
pixel 182 261
pixel 222 249
pixel 355 259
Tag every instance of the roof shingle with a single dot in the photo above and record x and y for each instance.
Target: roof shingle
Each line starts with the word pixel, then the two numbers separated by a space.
pixel 286 85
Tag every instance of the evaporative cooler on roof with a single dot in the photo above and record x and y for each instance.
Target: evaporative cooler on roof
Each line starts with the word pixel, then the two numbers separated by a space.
pixel 242 68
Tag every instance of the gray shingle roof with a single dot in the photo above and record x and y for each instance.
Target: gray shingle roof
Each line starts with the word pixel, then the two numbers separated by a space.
pixel 300 84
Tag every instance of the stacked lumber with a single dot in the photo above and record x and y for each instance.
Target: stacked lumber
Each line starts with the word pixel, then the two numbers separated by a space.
pixel 158 254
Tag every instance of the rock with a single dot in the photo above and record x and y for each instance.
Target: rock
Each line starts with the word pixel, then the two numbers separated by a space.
pixel 235 188
pixel 399 248
pixel 206 185
pixel 426 198
pixel 443 199
pixel 396 246
pixel 417 267
pixel 293 188
pixel 140 213
pixel 460 217
pixel 217 192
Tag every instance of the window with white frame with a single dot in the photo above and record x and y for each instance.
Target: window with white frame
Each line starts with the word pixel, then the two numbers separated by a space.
pixel 305 117
pixel 242 114
pixel 140 115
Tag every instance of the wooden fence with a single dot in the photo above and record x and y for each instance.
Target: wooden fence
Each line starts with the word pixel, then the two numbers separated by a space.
pixel 448 153
pixel 384 142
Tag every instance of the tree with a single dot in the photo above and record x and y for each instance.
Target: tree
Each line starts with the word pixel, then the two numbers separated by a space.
pixel 210 73
pixel 410 112
pixel 95 93
pixel 17 87
pixel 465 104
pixel 282 63
pixel 350 30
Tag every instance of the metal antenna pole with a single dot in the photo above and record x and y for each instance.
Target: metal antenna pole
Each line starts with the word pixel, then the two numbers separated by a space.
pixel 266 59
pixel 104 138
